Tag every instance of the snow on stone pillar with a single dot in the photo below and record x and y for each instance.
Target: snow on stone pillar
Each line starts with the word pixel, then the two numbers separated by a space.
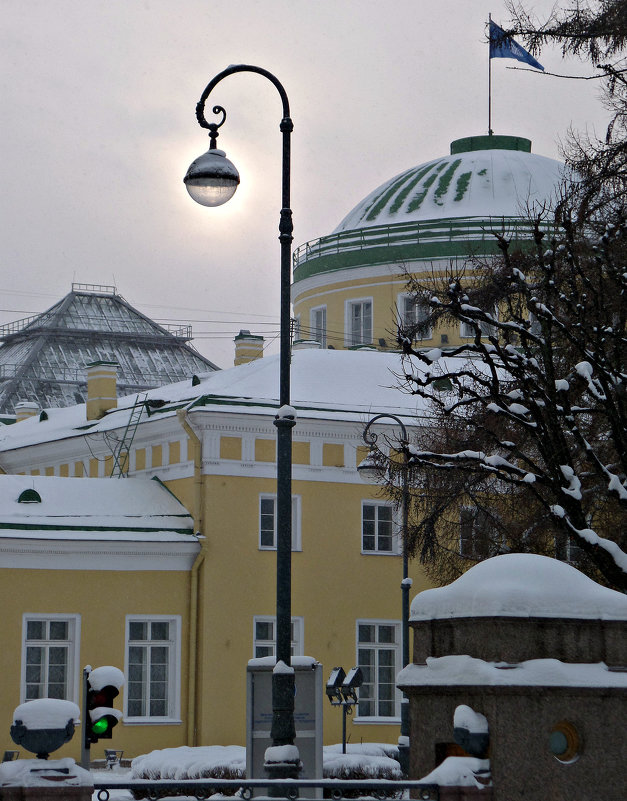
pixel 306 344
pixel 26 409
pixel 248 347
pixel 101 388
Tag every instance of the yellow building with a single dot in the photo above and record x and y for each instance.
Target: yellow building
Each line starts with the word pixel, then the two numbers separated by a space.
pixel 93 571
pixel 212 443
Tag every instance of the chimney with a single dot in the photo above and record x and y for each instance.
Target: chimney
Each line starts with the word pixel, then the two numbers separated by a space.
pixel 248 347
pixel 306 344
pixel 25 409
pixel 101 388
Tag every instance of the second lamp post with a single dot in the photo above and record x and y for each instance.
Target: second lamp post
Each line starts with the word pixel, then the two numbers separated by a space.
pixel 371 469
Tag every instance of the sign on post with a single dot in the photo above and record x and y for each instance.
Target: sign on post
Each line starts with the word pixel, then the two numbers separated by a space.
pixel 307 715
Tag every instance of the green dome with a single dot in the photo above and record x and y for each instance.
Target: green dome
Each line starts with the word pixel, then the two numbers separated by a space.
pixel 443 208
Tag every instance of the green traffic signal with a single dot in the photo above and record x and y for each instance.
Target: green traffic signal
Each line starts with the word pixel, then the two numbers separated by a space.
pixel 100 726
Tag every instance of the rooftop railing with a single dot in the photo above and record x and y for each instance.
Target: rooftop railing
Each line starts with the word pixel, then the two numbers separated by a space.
pixel 412 234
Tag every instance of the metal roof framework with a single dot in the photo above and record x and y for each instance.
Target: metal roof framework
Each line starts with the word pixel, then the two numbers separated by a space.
pixel 43 357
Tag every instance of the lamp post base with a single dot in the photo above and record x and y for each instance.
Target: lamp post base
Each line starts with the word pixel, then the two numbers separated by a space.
pixel 281 762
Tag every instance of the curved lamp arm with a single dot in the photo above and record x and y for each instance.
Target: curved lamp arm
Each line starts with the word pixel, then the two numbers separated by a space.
pixel 286 226
pixel 370 438
pixel 231 70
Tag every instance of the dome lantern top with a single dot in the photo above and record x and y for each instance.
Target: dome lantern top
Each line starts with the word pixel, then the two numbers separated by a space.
pixel 470 144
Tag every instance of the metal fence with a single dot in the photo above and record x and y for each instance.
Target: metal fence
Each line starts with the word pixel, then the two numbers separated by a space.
pixel 262 789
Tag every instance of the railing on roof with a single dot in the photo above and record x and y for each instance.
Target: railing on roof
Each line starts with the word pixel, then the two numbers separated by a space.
pixel 410 234
pixel 179 331
pixel 19 325
pixel 100 289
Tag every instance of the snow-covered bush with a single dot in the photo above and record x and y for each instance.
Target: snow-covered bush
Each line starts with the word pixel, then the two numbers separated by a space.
pixel 361 762
pixel 179 764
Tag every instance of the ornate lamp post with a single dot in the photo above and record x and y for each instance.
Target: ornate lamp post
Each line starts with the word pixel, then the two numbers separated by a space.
pixel 371 469
pixel 212 180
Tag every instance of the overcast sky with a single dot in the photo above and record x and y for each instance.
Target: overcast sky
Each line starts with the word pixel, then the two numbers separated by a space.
pixel 98 129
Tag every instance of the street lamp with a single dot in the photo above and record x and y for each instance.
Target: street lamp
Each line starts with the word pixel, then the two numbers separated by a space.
pixel 371 469
pixel 212 180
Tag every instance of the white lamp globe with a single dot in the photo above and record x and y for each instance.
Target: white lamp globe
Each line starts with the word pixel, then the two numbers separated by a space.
pixel 212 179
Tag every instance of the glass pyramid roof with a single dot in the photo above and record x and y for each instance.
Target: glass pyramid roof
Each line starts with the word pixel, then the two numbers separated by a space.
pixel 43 358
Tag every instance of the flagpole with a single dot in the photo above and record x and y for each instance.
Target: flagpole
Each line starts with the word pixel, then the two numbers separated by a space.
pixel 489 77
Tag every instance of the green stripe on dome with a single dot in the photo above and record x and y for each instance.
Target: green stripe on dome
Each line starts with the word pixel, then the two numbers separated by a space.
pixel 381 201
pixel 402 196
pixel 444 182
pixel 462 185
pixel 416 201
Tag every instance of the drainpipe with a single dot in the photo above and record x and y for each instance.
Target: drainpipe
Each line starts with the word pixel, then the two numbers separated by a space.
pixel 193 651
pixel 197 448
pixel 194 590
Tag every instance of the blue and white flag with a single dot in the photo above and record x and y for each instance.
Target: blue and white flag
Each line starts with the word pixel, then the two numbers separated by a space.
pixel 503 46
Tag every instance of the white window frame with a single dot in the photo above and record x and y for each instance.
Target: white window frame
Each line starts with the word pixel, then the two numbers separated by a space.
pixel 471 516
pixel 73 650
pixel 568 550
pixel 408 307
pixel 349 339
pixel 296 522
pixel 466 330
pixel 395 549
pixel 174 669
pixel 318 332
pixel 269 644
pixel 360 717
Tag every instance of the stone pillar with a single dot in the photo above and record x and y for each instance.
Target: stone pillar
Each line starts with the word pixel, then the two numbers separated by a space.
pixel 248 347
pixel 26 409
pixel 45 780
pixel 101 388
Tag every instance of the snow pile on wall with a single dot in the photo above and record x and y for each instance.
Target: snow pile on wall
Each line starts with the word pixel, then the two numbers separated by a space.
pixel 458 772
pixel 466 670
pixel 521 585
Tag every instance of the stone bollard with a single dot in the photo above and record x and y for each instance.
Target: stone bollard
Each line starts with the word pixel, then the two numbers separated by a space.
pixel 44 780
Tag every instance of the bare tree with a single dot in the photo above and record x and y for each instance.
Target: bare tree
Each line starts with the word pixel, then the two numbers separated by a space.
pixel 526 448
pixel 531 429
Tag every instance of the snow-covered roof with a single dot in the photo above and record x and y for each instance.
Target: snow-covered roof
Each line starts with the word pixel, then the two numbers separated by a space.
pixel 52 507
pixel 325 384
pixel 521 585
pixel 492 178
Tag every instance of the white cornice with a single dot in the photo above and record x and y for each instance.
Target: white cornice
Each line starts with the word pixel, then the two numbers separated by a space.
pixel 59 554
pixel 393 272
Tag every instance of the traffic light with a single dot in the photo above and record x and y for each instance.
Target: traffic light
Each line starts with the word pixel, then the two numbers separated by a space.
pixel 103 685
